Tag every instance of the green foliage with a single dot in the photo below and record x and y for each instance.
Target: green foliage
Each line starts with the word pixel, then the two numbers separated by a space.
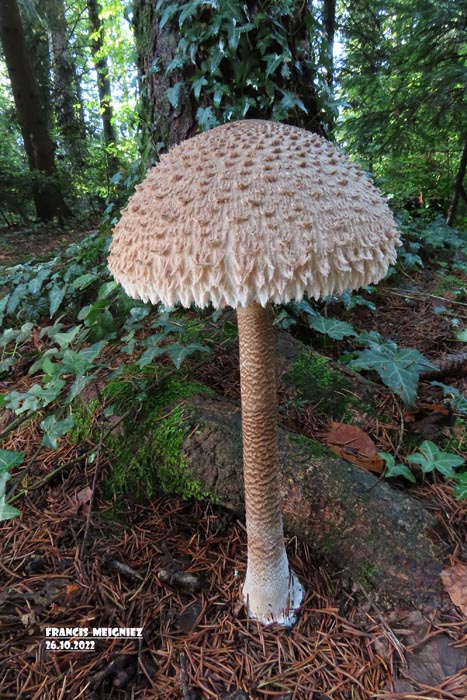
pixel 402 81
pixel 430 458
pixel 8 459
pixel 460 490
pixel 393 470
pixel 398 368
pixel 459 399
pixel 235 61
pixel 77 315
pixel 332 327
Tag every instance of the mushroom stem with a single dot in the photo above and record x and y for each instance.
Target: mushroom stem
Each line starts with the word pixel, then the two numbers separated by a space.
pixel 271 591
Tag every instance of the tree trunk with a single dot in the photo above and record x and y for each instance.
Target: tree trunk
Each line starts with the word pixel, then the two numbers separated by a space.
pixel 103 85
pixel 161 43
pixel 329 25
pixel 163 125
pixel 66 97
pixel 31 116
pixel 459 190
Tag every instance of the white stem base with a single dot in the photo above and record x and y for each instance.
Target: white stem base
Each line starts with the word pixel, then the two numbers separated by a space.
pixel 275 599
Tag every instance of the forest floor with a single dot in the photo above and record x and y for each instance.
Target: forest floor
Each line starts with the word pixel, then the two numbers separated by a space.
pixel 38 241
pixel 78 559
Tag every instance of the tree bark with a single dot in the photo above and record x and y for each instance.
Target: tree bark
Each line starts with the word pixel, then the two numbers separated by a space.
pixel 31 116
pixel 458 190
pixel 383 538
pixel 66 92
pixel 163 125
pixel 329 24
pixel 103 85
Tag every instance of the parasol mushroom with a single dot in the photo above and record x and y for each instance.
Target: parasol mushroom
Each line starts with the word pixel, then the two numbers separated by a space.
pixel 245 215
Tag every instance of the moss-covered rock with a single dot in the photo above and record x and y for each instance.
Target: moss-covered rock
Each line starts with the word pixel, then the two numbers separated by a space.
pixel 146 452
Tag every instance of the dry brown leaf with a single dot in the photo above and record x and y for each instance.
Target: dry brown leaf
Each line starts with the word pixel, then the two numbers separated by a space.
pixel 354 445
pixel 83 498
pixel 455 582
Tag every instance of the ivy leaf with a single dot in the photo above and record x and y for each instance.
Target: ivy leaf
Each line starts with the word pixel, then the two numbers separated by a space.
pixel 173 94
pixel 460 490
pixel 149 354
pixel 106 289
pixel 274 61
pixel 37 397
pixel 197 86
pixel 189 10
pixel 65 339
pixel 54 429
pixel 431 457
pixel 205 118
pixel 332 327
pixel 3 305
pixel 79 362
pixel 78 385
pixel 8 459
pixel 56 296
pixel 16 335
pixel 459 398
pixel 398 368
pixel 393 469
pixel 16 297
pixel 167 15
pixel 84 281
pixel 178 353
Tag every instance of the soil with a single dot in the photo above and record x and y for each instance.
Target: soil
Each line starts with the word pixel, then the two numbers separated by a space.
pixel 172 569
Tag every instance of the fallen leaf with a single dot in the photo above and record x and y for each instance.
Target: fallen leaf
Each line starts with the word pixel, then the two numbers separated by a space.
pixel 354 445
pixel 83 498
pixel 455 582
pixel 28 618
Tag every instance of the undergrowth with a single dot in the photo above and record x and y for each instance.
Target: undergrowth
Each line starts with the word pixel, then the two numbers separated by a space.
pixel 77 334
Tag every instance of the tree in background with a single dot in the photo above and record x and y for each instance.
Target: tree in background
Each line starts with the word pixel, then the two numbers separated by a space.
pixel 31 115
pixel 403 81
pixel 202 64
pixel 69 111
pixel 103 85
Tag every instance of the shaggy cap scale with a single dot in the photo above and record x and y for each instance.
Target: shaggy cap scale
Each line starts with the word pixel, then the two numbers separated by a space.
pixel 252 211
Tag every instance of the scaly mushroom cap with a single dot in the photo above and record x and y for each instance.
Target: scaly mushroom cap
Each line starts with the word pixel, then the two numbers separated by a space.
pixel 252 211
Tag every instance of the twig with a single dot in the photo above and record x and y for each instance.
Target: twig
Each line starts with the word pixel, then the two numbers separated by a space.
pixel 100 447
pixel 180 579
pixel 121 568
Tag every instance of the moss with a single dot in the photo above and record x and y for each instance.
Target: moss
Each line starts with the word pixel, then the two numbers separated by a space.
pixel 146 457
pixel 318 382
pixel 83 415
pixel 310 447
pixel 367 576
pixel 328 543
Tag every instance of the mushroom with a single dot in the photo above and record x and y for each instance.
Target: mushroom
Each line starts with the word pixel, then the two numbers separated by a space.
pixel 245 215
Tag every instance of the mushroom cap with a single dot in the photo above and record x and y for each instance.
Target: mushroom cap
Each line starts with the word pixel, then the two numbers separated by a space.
pixel 252 211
